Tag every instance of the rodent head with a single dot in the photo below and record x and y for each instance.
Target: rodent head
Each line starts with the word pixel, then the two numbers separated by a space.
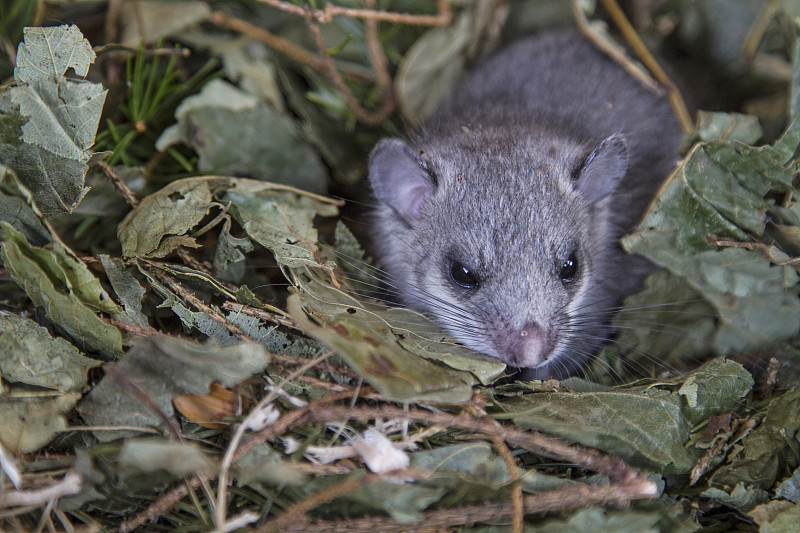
pixel 502 237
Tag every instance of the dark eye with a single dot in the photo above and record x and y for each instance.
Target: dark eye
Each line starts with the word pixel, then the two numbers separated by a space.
pixel 569 269
pixel 463 276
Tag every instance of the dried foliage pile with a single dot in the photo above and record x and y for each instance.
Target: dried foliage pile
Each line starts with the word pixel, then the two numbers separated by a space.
pixel 192 339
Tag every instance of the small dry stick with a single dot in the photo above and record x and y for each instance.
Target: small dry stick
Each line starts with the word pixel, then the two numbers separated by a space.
pixel 261 314
pixel 199 304
pixel 230 453
pixel 324 62
pixel 119 183
pixel 546 445
pixel 112 33
pixel 759 26
pixel 760 247
pixel 161 506
pixel 171 498
pixel 376 56
pixel 289 49
pixel 617 55
pixel 367 117
pixel 131 387
pixel 518 515
pixel 191 262
pixel 629 32
pixel 442 18
pixel 560 499
pixel 296 513
pixel 71 484
pixel 136 330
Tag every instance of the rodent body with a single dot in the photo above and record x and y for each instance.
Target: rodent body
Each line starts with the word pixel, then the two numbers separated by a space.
pixel 502 218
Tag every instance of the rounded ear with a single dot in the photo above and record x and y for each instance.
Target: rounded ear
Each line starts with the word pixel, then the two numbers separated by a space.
pixel 399 178
pixel 603 169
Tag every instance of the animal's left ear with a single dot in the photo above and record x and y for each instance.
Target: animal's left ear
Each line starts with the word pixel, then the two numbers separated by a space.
pixel 602 170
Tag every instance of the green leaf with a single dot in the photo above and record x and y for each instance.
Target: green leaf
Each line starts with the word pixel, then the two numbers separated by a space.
pixel 790 488
pixel 644 427
pixel 725 126
pixel 159 19
pixel 66 291
pixel 172 211
pixel 235 134
pixel 29 422
pixel 267 466
pixel 473 469
pixel 410 330
pixel 747 291
pixel 431 68
pixel 151 455
pixel 163 368
pixel 785 522
pixel 404 502
pixel 398 374
pixel 229 256
pixel 646 424
pixel 49 122
pixel 758 461
pixel 667 323
pixel 48 52
pixel 725 189
pixel 129 291
pixel 280 220
pixel 717 387
pixel 17 208
pixel 276 216
pixel 742 498
pixel 53 113
pixel 28 354
pixel 593 519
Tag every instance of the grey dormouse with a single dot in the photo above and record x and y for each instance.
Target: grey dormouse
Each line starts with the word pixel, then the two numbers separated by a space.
pixel 502 217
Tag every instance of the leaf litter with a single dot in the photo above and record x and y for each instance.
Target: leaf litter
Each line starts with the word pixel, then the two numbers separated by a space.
pixel 144 354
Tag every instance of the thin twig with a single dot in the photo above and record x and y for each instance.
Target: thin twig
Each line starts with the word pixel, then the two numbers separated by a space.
pixel 119 183
pixel 617 55
pixel 171 498
pixel 367 117
pixel 559 499
pixel 323 62
pixel 758 27
pixel 117 49
pixel 376 56
pixel 289 49
pixel 160 507
pixel 230 453
pixel 71 484
pixel 760 247
pixel 136 330
pixel 442 18
pixel 296 514
pixel 261 314
pixel 111 36
pixel 196 264
pixel 545 445
pixel 199 304
pixel 518 516
pixel 142 396
pixel 639 48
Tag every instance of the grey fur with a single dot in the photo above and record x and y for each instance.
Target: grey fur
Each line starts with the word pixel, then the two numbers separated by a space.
pixel 545 148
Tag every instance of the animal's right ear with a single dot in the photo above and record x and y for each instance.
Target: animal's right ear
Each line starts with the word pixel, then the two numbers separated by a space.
pixel 399 178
